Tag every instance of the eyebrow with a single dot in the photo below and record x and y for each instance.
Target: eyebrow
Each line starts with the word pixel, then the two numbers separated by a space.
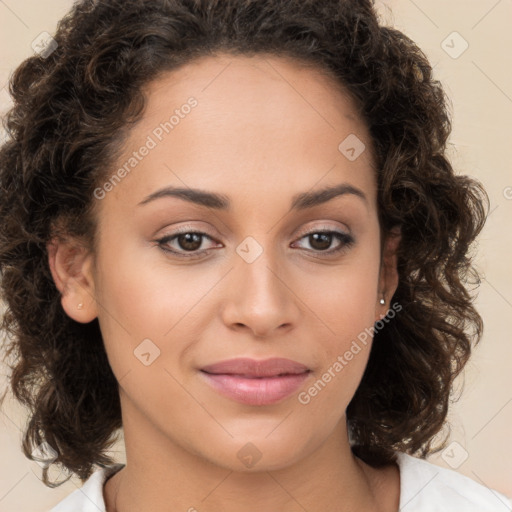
pixel 301 201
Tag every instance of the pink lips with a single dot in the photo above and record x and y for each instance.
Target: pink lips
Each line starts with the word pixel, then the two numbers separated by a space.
pixel 256 382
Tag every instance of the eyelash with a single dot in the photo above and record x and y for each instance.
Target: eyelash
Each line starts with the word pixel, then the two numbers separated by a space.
pixel 346 239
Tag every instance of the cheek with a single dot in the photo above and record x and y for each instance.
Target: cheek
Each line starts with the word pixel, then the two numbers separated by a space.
pixel 141 299
pixel 346 302
pixel 347 311
pixel 344 347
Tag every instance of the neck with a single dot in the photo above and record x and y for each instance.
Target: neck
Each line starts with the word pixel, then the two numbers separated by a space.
pixel 162 475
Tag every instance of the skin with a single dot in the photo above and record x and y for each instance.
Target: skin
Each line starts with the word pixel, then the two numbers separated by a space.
pixel 265 128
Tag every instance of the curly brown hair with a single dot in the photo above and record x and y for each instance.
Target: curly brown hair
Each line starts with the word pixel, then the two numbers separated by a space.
pixel 72 111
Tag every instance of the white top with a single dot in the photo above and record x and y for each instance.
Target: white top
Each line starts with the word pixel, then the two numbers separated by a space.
pixel 424 487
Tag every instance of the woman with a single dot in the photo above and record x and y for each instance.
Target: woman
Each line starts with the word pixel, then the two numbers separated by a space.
pixel 231 229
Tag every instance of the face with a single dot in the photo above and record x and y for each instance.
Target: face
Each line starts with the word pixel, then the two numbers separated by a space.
pixel 265 268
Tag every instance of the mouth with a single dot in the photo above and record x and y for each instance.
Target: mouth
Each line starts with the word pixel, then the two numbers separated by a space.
pixel 256 382
pixel 247 376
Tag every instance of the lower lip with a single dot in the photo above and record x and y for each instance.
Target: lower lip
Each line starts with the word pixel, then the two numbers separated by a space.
pixel 256 391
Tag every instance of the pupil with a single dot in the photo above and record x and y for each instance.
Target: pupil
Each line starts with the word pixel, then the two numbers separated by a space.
pixel 190 238
pixel 326 237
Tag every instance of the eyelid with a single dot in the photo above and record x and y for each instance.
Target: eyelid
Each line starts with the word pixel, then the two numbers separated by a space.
pixel 303 232
pixel 322 227
pixel 190 229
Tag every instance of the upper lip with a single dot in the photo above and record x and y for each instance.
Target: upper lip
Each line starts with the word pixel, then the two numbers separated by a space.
pixel 244 366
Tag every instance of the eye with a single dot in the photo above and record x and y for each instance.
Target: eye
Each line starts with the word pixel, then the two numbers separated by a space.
pixel 321 240
pixel 187 241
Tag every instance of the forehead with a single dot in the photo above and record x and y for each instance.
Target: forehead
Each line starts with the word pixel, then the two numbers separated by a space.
pixel 248 83
pixel 258 123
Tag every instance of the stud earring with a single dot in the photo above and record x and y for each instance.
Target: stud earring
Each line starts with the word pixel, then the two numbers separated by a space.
pixel 382 301
pixel 80 306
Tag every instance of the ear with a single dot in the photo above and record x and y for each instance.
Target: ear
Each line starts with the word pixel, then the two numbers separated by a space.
pixel 71 268
pixel 388 275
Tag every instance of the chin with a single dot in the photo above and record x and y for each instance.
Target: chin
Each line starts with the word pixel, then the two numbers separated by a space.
pixel 261 452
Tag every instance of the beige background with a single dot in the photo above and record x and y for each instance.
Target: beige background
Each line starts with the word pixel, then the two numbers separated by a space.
pixel 479 83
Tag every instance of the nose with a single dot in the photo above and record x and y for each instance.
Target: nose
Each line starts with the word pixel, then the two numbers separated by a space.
pixel 260 297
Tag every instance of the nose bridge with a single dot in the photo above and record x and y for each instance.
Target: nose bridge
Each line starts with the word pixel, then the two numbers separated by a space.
pixel 260 300
pixel 258 265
